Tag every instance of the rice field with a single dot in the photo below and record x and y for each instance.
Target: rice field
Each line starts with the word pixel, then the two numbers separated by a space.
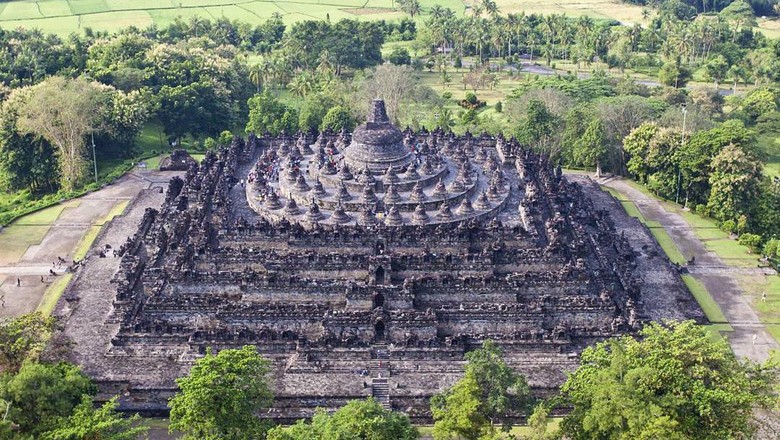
pixel 65 16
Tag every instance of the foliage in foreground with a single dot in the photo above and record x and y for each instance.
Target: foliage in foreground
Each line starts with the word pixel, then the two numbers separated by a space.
pixel 40 394
pixel 23 339
pixel 358 419
pixel 488 392
pixel 104 423
pixel 676 383
pixel 221 396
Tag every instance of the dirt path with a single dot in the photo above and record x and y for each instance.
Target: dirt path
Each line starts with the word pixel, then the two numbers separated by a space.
pixel 62 239
pixel 750 338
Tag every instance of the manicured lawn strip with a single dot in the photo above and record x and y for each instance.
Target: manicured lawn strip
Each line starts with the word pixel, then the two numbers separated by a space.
pixel 667 244
pixel 706 229
pixel 15 239
pixel 661 236
pixel 716 331
pixel 27 231
pixel 755 286
pixel 53 294
pixel 707 304
pixel 86 242
pixel 89 238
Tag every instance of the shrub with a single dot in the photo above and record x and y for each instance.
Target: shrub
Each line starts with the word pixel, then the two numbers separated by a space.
pixel 753 241
pixel 499 107
pixel 729 226
pixel 399 56
pixel 446 95
pixel 701 210
pixel 772 249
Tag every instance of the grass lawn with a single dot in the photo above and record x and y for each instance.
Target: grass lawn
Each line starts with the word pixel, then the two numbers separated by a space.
pixel 65 16
pixel 89 238
pixel 769 309
pixel 770 145
pixel 735 255
pixel 708 305
pixel 661 236
pixel 28 230
pixel 53 294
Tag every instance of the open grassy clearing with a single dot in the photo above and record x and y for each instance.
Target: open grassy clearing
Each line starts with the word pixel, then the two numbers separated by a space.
pixel 65 16
pixel 29 230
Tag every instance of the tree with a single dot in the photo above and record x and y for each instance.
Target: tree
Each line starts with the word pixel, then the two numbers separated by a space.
pixel 674 73
pixel 411 7
pixel 488 392
pixel 220 397
pixel 399 56
pixel 589 150
pixel 266 113
pixel 103 423
pixel 39 394
pixel 338 118
pixel 676 382
pixel 740 14
pixel 393 84
pixel 64 111
pixel 539 127
pixel 735 182
pixel 358 419
pixel 26 161
pixel 716 69
pixel 23 339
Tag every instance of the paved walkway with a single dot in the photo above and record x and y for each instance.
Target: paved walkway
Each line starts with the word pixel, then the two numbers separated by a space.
pixel 62 240
pixel 716 276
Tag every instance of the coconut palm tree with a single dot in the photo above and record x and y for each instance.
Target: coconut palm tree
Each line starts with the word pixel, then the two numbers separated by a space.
pixel 256 76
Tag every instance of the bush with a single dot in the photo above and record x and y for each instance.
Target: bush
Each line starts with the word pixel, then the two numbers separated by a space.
pixel 753 241
pixel 471 98
pixel 399 56
pixel 499 107
pixel 701 210
pixel 772 249
pixel 446 95
pixel 729 226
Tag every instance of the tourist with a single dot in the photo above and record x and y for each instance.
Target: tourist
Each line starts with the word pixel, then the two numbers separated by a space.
pixel 18 282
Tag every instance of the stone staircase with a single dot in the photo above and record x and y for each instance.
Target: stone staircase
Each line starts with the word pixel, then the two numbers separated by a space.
pixel 380 371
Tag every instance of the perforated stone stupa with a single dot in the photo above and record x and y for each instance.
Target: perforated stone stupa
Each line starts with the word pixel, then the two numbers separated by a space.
pixel 368 265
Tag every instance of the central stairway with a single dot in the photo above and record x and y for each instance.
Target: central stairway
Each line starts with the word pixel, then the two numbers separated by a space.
pixel 380 371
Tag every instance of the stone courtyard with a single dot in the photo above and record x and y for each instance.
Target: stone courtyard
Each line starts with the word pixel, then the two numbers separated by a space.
pixel 364 264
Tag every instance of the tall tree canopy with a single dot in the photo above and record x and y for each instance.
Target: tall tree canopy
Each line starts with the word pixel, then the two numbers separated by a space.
pixel 486 395
pixel 674 383
pixel 221 396
pixel 39 394
pixel 358 419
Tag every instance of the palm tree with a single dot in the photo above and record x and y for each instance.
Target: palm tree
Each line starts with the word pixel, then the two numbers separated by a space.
pixel 302 85
pixel 489 6
pixel 256 76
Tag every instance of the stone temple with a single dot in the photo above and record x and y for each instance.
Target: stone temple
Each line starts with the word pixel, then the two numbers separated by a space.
pixel 365 265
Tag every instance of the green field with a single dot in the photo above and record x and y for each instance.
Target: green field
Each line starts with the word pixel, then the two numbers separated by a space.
pixel 65 16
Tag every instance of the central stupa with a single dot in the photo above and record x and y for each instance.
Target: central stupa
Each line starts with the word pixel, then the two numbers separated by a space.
pixel 377 144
